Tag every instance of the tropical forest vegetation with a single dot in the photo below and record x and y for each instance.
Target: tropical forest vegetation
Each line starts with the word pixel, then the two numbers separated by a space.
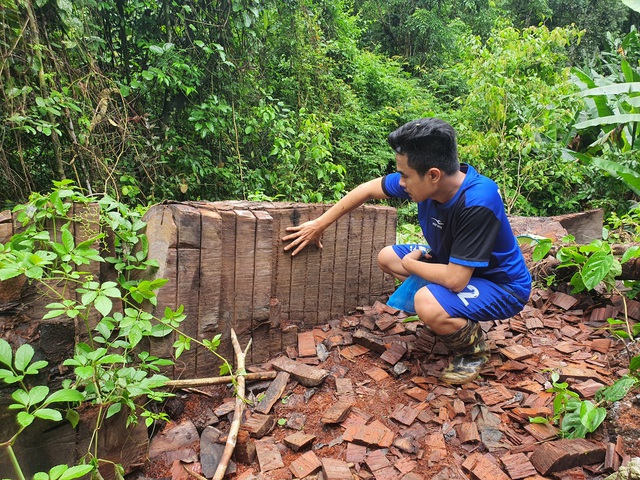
pixel 148 100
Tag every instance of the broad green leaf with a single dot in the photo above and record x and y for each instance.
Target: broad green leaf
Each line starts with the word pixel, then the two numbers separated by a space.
pixel 634 364
pixel 24 354
pixel 632 252
pixel 6 354
pixel 76 472
pixel 72 417
pixel 624 173
pixel 58 470
pixel 41 476
pixel 596 269
pixel 608 120
pixel 25 419
pixel 65 395
pixel 9 272
pixel 632 4
pixel 113 409
pixel 48 414
pixel 35 367
pixel 103 305
pixel 618 390
pixel 21 397
pixel 38 394
pixel 67 239
pixel 613 89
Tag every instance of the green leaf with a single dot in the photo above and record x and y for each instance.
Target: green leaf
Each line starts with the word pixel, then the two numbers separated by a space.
pixel 72 417
pixel 632 252
pixel 609 120
pixel 38 394
pixel 67 239
pixel 24 354
pixel 65 395
pixel 632 4
pixel 634 364
pixel 76 472
pixel 596 269
pixel 612 89
pixel 6 354
pixel 103 304
pixel 25 419
pixel 48 414
pixel 113 409
pixel 622 172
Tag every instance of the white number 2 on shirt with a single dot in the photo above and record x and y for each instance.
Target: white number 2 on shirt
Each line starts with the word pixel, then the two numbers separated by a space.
pixel 470 292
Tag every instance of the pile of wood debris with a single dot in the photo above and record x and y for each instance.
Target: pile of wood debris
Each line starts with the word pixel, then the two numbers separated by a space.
pixel 360 398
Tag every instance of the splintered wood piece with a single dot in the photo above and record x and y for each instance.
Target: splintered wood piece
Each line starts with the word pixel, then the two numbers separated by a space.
pixel 377 460
pixel 305 465
pixel 533 323
pixel 386 321
pixel 493 395
pixel 518 466
pixel 601 345
pixel 611 459
pixel 516 352
pixel 542 431
pixel 299 440
pixel 562 300
pixel 377 374
pixel 394 353
pixel 355 453
pixel 405 414
pixel 417 393
pixel 369 340
pixel 259 425
pixel 353 351
pixel 468 432
pixel 338 411
pixel 579 373
pixel 307 375
pixel 373 434
pixel 405 465
pixel 482 468
pixel 334 469
pixel 306 344
pixel 567 347
pixel 528 412
pixel 458 408
pixel 344 386
pixel 566 453
pixel 269 456
pixel 273 393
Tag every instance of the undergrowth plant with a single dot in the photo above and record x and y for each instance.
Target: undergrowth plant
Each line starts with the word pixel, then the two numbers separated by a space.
pixel 595 265
pixel 112 371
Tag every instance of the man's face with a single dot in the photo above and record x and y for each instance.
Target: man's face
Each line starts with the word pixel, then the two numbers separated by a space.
pixel 419 188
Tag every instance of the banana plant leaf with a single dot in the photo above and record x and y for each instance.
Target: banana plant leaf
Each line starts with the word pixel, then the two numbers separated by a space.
pixel 628 176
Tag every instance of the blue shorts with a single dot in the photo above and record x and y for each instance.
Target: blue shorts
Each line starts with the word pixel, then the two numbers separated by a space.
pixel 480 300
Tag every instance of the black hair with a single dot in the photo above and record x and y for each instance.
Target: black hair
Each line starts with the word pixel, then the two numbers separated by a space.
pixel 427 143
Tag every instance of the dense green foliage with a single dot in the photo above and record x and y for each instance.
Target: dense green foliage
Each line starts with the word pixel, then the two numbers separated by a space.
pixel 148 100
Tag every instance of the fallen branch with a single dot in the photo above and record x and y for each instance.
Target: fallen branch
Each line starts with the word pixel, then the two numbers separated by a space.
pixel 202 382
pixel 232 438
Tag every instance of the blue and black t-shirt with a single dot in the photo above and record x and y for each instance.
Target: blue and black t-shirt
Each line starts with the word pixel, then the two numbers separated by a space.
pixel 471 229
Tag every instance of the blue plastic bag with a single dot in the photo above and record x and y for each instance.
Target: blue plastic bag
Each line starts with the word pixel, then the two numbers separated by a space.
pixel 402 298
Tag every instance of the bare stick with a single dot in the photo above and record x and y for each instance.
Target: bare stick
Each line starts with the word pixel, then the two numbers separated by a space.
pixel 201 382
pixel 232 438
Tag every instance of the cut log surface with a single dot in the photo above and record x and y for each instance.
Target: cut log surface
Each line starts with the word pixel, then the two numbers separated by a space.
pixel 567 453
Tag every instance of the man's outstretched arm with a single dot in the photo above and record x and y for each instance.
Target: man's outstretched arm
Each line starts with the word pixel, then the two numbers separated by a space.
pixel 311 231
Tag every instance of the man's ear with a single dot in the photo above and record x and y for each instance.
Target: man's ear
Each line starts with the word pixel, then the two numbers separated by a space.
pixel 434 174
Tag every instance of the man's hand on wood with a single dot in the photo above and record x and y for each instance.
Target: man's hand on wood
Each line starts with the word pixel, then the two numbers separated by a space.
pixel 302 235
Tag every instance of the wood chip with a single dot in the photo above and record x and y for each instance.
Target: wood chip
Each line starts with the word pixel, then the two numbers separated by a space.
pixel 518 466
pixel 307 375
pixel 334 469
pixel 269 456
pixel 305 465
pixel 273 393
pixel 299 440
pixel 306 344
